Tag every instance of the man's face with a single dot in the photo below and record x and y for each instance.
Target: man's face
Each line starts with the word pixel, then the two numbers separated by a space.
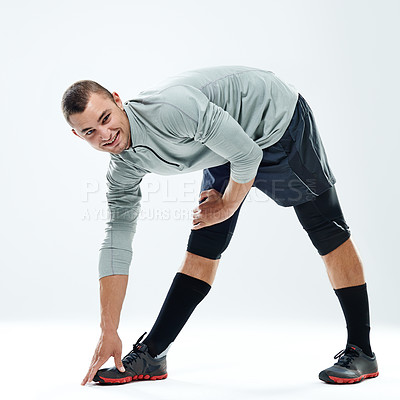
pixel 103 124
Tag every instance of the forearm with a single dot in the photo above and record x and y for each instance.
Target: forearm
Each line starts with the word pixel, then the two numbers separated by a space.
pixel 112 294
pixel 235 193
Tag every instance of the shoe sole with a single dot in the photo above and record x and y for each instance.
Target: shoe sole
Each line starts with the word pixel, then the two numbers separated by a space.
pixel 334 379
pixel 118 381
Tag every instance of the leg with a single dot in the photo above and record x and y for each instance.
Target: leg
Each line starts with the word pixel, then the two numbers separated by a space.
pixel 196 275
pixel 323 220
pixel 346 275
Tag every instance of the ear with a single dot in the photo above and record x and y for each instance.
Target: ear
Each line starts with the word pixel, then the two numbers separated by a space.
pixel 74 132
pixel 117 100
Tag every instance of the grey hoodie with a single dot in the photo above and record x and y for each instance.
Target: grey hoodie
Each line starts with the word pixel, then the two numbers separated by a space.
pixel 195 120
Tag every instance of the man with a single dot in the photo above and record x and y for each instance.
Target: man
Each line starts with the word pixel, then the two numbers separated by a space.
pixel 244 127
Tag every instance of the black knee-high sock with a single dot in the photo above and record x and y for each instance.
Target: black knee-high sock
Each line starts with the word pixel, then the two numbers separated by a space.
pixel 184 295
pixel 354 302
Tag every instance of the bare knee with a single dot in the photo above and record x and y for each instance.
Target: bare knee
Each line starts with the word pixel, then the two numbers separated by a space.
pixel 199 267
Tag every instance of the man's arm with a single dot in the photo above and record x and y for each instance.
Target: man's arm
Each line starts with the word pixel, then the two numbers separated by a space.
pixel 112 294
pixel 193 115
pixel 123 197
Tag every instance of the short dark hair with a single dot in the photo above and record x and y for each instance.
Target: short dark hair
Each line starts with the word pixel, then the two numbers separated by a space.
pixel 76 97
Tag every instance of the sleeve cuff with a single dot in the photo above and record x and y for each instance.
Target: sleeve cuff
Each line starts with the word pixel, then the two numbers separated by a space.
pixel 114 261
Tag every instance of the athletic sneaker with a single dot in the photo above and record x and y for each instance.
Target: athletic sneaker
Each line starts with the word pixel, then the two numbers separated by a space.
pixel 139 365
pixel 353 366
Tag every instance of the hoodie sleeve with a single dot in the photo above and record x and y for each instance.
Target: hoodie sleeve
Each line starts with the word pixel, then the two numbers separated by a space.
pixel 188 112
pixel 123 199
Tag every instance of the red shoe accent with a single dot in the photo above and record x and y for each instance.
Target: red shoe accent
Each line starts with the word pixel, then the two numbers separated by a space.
pixel 118 380
pixel 153 378
pixel 350 380
pixel 130 378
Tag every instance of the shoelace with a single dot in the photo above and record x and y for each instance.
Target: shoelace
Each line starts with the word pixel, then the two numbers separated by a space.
pixel 134 353
pixel 346 357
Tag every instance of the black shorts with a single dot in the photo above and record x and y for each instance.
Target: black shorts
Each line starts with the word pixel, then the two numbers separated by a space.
pixel 293 172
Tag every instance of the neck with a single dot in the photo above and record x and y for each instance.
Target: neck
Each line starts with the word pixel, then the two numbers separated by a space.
pixel 130 133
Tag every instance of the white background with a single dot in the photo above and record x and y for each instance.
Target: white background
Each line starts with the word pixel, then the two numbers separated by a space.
pixel 343 58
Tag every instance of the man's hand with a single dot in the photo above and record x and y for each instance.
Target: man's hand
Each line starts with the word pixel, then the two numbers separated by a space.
pixel 109 345
pixel 211 210
pixel 215 207
pixel 112 293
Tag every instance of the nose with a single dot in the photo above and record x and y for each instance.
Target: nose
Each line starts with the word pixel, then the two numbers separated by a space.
pixel 105 134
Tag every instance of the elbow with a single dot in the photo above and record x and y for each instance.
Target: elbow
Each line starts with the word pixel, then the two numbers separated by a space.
pixel 245 169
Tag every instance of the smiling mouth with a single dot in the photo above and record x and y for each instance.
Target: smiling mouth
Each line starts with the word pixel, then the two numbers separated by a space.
pixel 112 140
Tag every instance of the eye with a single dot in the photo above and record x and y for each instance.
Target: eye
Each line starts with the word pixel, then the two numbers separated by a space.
pixel 88 133
pixel 105 119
